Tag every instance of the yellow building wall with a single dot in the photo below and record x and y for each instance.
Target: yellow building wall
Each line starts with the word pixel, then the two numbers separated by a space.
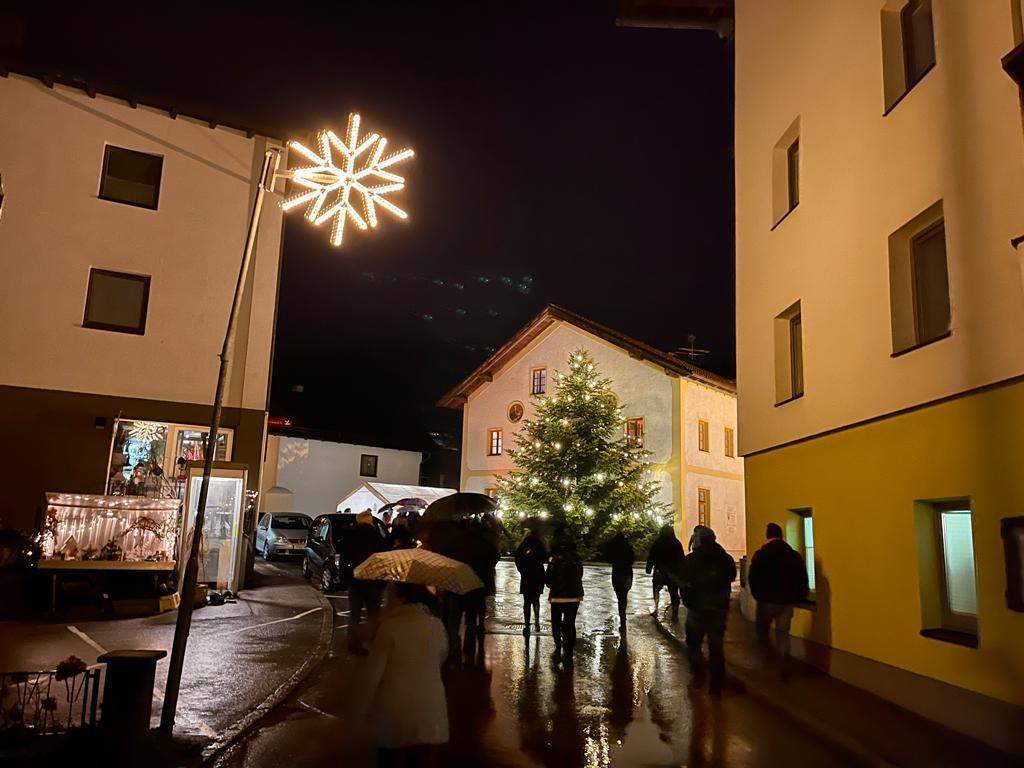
pixel 862 483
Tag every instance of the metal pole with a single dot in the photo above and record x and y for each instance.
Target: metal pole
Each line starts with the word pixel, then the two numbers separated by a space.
pixel 184 621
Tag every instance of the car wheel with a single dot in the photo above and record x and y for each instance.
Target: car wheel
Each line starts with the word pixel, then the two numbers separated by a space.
pixel 266 551
pixel 326 578
pixel 306 572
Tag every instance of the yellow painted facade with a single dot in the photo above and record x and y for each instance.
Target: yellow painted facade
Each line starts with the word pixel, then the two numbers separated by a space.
pixel 873 585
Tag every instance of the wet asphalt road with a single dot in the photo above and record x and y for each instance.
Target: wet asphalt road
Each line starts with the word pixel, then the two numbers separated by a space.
pixel 625 704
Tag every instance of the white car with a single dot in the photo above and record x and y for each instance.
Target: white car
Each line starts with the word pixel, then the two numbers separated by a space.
pixel 282 533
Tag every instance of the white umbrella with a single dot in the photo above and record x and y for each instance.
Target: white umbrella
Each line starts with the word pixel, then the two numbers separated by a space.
pixel 419 566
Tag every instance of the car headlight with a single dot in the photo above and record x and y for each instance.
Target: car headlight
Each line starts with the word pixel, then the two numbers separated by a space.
pixel 337 559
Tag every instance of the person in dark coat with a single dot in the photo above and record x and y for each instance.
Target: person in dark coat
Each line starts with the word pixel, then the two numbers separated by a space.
pixel 446 538
pixel 564 578
pixel 531 554
pixel 665 558
pixel 363 541
pixel 778 581
pixel 401 537
pixel 620 554
pixel 707 575
pixel 482 553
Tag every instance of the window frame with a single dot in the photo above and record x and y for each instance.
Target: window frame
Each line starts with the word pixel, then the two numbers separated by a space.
pixel 796 355
pixel 703 505
pixel 637 436
pixel 137 330
pixel 364 464
pixel 703 436
pixel 911 78
pixel 951 620
pixel 917 238
pixel 730 442
pixel 103 178
pixel 543 380
pixel 495 447
pixel 793 174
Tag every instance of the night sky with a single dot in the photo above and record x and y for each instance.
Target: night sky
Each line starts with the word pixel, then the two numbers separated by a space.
pixel 559 159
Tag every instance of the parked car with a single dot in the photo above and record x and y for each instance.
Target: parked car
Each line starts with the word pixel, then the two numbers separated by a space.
pixel 282 533
pixel 325 551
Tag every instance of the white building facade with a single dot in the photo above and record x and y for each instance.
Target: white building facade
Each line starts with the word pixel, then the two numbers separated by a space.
pixel 879 188
pixel 121 235
pixel 672 401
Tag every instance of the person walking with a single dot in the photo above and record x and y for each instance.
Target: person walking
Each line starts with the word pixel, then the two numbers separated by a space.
pixel 530 555
pixel 404 690
pixel 481 553
pixel 364 540
pixel 620 554
pixel 664 559
pixel 564 578
pixel 707 575
pixel 778 581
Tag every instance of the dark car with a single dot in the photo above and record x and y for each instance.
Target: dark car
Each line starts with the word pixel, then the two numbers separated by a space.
pixel 325 551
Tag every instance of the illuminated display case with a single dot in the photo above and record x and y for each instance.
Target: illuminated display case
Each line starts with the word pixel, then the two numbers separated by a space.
pixel 83 531
pixel 221 554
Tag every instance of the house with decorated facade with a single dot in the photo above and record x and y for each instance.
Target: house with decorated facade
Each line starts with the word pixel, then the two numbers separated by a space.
pixel 683 415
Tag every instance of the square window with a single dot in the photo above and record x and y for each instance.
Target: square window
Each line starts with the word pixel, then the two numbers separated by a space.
pixel 538 381
pixel 919 302
pixel 494 442
pixel 702 436
pixel 131 177
pixel 789 355
pixel 635 431
pixel 367 465
pixel 730 442
pixel 116 301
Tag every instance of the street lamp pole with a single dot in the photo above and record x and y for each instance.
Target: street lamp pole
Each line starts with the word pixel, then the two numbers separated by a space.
pixel 271 159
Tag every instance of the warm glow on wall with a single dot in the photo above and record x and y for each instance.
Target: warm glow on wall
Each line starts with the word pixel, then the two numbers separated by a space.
pixel 347 179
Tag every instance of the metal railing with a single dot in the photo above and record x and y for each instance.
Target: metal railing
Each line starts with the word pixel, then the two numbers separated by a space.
pixel 54 701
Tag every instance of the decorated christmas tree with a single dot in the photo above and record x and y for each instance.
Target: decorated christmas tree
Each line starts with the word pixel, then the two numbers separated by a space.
pixel 576 468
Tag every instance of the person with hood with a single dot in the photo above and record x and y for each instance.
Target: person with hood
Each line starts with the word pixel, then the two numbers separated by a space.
pixel 405 696
pixel 620 554
pixel 698 531
pixel 363 541
pixel 665 558
pixel 564 578
pixel 530 555
pixel 778 581
pixel 707 575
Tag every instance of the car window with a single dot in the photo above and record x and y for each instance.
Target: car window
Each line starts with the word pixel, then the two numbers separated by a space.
pixel 291 522
pixel 265 521
pixel 325 529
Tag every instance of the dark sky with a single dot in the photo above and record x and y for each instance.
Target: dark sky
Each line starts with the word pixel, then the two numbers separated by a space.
pixel 559 158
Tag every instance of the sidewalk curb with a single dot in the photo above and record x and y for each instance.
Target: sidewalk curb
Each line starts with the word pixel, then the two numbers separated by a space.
pixel 217 748
pixel 801 718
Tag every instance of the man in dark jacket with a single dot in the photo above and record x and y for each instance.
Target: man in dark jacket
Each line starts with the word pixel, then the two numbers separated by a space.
pixel 778 581
pixel 564 578
pixel 707 574
pixel 619 553
pixel 363 541
pixel 531 554
pixel 665 557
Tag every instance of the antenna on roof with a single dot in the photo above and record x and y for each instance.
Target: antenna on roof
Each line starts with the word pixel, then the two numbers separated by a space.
pixel 691 351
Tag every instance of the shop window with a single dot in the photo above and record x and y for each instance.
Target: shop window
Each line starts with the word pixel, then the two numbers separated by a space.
pixel 908 47
pixel 786 173
pixel 730 442
pixel 635 431
pixel 945 543
pixel 367 465
pixel 494 442
pixel 919 302
pixel 789 355
pixel 131 177
pixel 149 458
pixel 704 506
pixel 116 301
pixel 538 381
pixel 703 436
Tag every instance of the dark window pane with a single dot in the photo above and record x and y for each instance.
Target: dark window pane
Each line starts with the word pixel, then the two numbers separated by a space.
pixel 931 284
pixel 796 341
pixel 131 177
pixel 918 39
pixel 116 301
pixel 368 465
pixel 793 161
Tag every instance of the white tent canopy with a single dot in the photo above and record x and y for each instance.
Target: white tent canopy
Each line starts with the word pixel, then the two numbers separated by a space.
pixel 373 496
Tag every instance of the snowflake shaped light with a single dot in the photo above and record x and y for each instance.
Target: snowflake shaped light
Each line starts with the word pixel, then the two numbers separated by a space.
pixel 345 175
pixel 147 431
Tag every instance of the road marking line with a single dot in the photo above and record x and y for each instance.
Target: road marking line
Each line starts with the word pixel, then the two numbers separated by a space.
pixel 336 597
pixel 276 621
pixel 86 639
pixel 343 613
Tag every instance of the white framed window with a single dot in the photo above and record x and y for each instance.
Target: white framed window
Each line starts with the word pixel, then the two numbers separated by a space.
pixel 494 442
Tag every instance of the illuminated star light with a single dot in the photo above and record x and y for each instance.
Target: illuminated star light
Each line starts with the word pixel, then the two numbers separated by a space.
pixel 147 431
pixel 343 171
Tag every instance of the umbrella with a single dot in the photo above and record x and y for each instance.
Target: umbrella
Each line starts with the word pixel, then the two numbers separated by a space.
pixel 419 566
pixel 412 501
pixel 457 506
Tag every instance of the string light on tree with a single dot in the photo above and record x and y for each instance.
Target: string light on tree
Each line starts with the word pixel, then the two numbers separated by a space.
pixel 347 180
